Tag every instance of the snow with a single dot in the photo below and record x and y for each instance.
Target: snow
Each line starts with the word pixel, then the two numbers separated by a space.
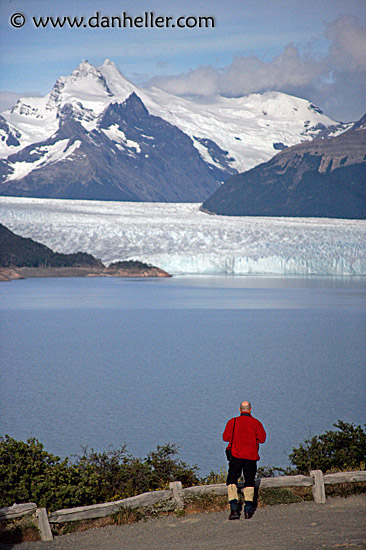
pixel 341 129
pixel 205 154
pixel 34 122
pixel 36 117
pixel 49 155
pixel 246 127
pixel 183 240
pixel 115 134
pixel 117 83
pixel 85 85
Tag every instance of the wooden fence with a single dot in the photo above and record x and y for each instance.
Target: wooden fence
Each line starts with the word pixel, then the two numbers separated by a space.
pixel 176 493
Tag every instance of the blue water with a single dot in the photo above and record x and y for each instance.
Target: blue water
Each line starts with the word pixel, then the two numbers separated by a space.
pixel 103 362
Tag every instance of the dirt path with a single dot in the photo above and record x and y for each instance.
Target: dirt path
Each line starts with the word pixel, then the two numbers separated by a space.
pixel 338 524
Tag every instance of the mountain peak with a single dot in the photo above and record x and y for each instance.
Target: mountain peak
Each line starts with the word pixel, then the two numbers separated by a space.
pixel 84 82
pixel 117 83
pixel 85 68
pixel 109 62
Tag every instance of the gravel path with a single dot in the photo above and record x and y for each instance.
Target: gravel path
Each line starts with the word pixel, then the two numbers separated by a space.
pixel 338 524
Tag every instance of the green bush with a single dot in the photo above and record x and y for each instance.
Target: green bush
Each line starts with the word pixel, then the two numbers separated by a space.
pixel 166 468
pixel 30 474
pixel 119 475
pixel 344 449
pixel 272 471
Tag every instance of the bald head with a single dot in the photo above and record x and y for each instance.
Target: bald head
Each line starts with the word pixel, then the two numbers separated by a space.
pixel 245 406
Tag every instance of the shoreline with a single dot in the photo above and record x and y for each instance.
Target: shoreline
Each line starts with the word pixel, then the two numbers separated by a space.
pixel 8 274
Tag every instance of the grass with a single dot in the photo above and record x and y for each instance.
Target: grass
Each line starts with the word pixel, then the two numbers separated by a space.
pixel 19 530
pixel 345 489
pixel 284 495
pixel 205 504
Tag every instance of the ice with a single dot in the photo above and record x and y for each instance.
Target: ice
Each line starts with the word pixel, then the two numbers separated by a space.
pixel 183 240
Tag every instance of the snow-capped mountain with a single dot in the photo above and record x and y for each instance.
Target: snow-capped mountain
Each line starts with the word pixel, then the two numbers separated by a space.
pixel 322 178
pixel 97 135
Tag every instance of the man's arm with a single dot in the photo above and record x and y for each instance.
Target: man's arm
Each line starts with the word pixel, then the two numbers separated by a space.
pixel 226 436
pixel 261 433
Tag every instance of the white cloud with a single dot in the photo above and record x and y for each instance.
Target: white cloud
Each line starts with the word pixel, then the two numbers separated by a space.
pixel 336 81
pixel 245 75
pixel 9 99
pixel 348 44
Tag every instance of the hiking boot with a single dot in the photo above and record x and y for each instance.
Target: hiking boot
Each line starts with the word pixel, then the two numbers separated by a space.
pixel 234 514
pixel 249 510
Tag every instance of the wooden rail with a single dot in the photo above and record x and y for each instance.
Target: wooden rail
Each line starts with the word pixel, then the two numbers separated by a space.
pixel 316 480
pixel 17 510
pixel 109 508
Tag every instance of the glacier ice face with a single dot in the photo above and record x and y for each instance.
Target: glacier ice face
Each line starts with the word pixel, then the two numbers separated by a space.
pixel 183 240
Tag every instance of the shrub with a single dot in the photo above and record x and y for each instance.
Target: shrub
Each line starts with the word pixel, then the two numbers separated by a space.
pixel 166 467
pixel 272 471
pixel 344 449
pixel 216 477
pixel 30 474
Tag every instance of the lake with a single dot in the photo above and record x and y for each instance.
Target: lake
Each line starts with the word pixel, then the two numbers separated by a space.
pixel 100 362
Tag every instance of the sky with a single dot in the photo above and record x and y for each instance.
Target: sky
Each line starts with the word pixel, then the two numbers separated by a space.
pixel 315 49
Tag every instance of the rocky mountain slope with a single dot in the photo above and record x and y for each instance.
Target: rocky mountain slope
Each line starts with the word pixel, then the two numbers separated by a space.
pixel 322 178
pixel 98 136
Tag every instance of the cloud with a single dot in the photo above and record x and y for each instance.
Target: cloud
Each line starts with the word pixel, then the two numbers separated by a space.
pixel 336 80
pixel 245 75
pixel 348 44
pixel 9 99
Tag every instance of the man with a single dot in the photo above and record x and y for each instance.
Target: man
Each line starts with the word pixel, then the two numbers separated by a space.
pixel 244 434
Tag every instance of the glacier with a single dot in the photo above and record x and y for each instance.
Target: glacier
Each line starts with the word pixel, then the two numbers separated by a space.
pixel 181 239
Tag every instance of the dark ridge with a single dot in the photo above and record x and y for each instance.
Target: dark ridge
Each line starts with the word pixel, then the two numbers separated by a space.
pixel 16 251
pixel 324 178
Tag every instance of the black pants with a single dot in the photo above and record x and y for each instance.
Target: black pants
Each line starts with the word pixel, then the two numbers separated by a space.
pixel 239 465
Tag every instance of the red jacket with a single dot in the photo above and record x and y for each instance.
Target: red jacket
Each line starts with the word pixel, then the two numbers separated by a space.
pixel 248 434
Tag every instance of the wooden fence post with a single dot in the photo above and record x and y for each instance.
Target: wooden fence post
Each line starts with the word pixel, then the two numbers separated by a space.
pixel 43 524
pixel 318 487
pixel 178 495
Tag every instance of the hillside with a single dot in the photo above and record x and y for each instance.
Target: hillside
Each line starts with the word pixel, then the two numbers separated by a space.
pixel 322 178
pixel 16 251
